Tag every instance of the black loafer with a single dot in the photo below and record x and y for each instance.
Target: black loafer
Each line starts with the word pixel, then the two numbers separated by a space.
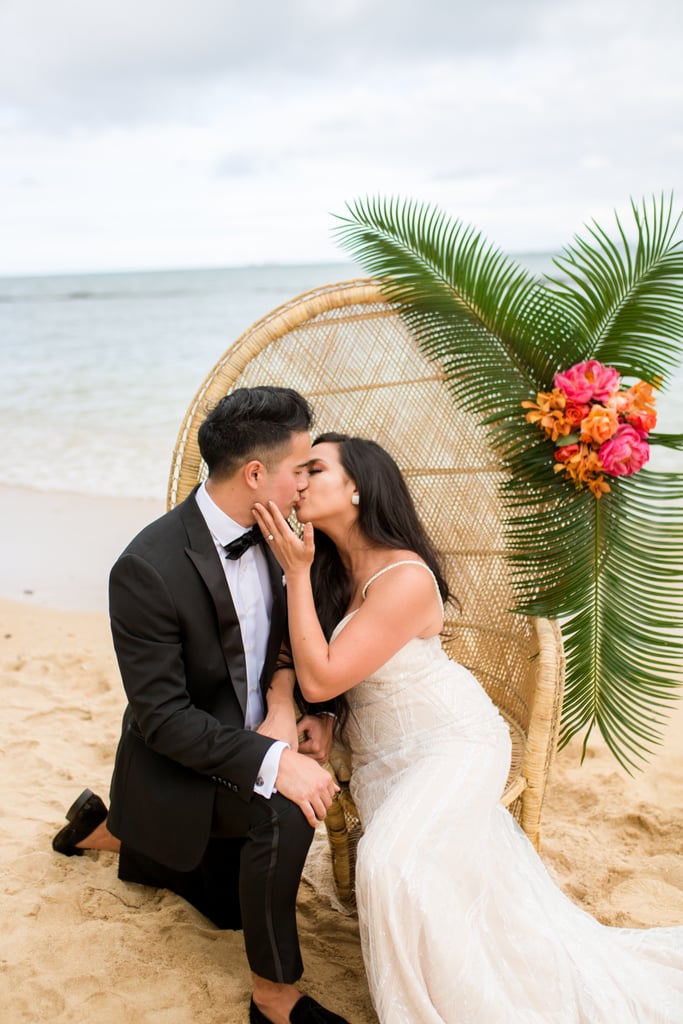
pixel 307 1011
pixel 255 1015
pixel 84 815
pixel 304 1011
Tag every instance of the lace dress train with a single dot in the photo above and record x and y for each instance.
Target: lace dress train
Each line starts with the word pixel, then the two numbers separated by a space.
pixel 460 921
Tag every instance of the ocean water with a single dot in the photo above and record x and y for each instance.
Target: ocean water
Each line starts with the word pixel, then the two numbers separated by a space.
pixel 97 370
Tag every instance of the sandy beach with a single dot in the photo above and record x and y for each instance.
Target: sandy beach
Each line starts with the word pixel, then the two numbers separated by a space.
pixel 78 944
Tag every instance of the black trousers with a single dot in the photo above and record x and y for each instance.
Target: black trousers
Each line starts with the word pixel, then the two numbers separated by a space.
pixel 249 877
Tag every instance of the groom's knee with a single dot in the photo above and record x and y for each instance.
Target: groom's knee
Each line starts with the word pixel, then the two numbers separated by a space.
pixel 287 817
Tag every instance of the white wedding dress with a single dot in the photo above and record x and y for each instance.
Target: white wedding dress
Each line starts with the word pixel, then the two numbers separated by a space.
pixel 459 919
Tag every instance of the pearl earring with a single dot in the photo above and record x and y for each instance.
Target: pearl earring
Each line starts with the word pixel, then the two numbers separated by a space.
pixel 355 499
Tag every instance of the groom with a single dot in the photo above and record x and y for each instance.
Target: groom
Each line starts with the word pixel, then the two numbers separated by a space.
pixel 210 796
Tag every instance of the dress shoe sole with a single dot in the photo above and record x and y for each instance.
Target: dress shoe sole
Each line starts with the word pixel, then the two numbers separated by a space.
pixel 84 815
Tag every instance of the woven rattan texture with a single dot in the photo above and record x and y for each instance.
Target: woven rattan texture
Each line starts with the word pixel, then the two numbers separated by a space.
pixel 347 350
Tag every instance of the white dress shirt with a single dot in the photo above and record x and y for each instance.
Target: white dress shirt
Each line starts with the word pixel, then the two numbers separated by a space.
pixel 249 584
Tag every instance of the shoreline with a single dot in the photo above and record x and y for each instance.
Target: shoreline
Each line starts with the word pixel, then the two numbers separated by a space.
pixel 56 548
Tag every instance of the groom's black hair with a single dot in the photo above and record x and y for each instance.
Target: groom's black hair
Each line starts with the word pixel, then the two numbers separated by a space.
pixel 251 423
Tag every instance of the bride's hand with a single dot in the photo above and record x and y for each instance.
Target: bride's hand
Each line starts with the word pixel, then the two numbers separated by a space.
pixel 292 553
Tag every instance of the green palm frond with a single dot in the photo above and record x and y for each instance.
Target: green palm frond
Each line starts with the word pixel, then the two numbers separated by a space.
pixel 448 278
pixel 667 441
pixel 623 646
pixel 628 305
pixel 553 573
pixel 611 570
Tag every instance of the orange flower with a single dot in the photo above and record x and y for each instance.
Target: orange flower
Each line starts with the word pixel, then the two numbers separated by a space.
pixel 581 464
pixel 566 452
pixel 574 413
pixel 548 412
pixel 546 401
pixel 642 395
pixel 571 460
pixel 598 486
pixel 590 463
pixel 622 402
pixel 641 413
pixel 599 425
pixel 642 421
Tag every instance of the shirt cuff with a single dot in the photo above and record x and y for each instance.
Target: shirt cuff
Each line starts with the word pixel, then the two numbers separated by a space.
pixel 270 765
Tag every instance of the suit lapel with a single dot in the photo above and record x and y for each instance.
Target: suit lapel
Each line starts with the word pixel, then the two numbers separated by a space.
pixel 202 552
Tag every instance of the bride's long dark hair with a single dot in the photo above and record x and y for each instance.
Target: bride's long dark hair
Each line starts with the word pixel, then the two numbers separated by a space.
pixel 386 516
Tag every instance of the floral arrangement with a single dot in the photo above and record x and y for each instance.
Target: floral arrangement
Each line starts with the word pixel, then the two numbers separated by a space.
pixel 611 311
pixel 600 429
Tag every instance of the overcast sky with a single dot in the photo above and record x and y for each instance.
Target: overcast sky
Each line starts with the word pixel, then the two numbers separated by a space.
pixel 181 133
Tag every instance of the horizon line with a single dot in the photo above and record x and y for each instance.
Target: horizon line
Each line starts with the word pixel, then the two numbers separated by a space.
pixel 198 268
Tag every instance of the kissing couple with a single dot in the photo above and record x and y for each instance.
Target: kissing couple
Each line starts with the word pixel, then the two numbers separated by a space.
pixel 217 788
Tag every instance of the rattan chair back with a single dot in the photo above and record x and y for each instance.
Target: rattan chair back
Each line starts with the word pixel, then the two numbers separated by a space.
pixel 346 349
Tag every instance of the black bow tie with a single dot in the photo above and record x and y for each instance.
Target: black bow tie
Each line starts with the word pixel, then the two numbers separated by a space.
pixel 237 547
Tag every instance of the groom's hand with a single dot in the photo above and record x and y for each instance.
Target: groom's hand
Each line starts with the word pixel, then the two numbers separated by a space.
pixel 306 784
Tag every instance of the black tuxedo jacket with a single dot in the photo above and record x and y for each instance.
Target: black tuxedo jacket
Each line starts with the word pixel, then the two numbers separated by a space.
pixel 179 648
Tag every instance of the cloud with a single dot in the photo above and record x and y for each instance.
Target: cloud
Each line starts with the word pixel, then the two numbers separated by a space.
pixel 80 61
pixel 212 132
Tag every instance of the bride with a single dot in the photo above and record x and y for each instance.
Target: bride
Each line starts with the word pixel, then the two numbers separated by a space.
pixel 459 920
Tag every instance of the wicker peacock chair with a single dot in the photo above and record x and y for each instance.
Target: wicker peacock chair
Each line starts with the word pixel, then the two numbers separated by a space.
pixel 345 348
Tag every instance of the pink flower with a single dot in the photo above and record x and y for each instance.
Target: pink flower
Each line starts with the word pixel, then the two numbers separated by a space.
pixel 625 453
pixel 588 381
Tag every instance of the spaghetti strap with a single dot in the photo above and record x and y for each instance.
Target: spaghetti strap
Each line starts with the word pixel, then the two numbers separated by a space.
pixel 406 561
